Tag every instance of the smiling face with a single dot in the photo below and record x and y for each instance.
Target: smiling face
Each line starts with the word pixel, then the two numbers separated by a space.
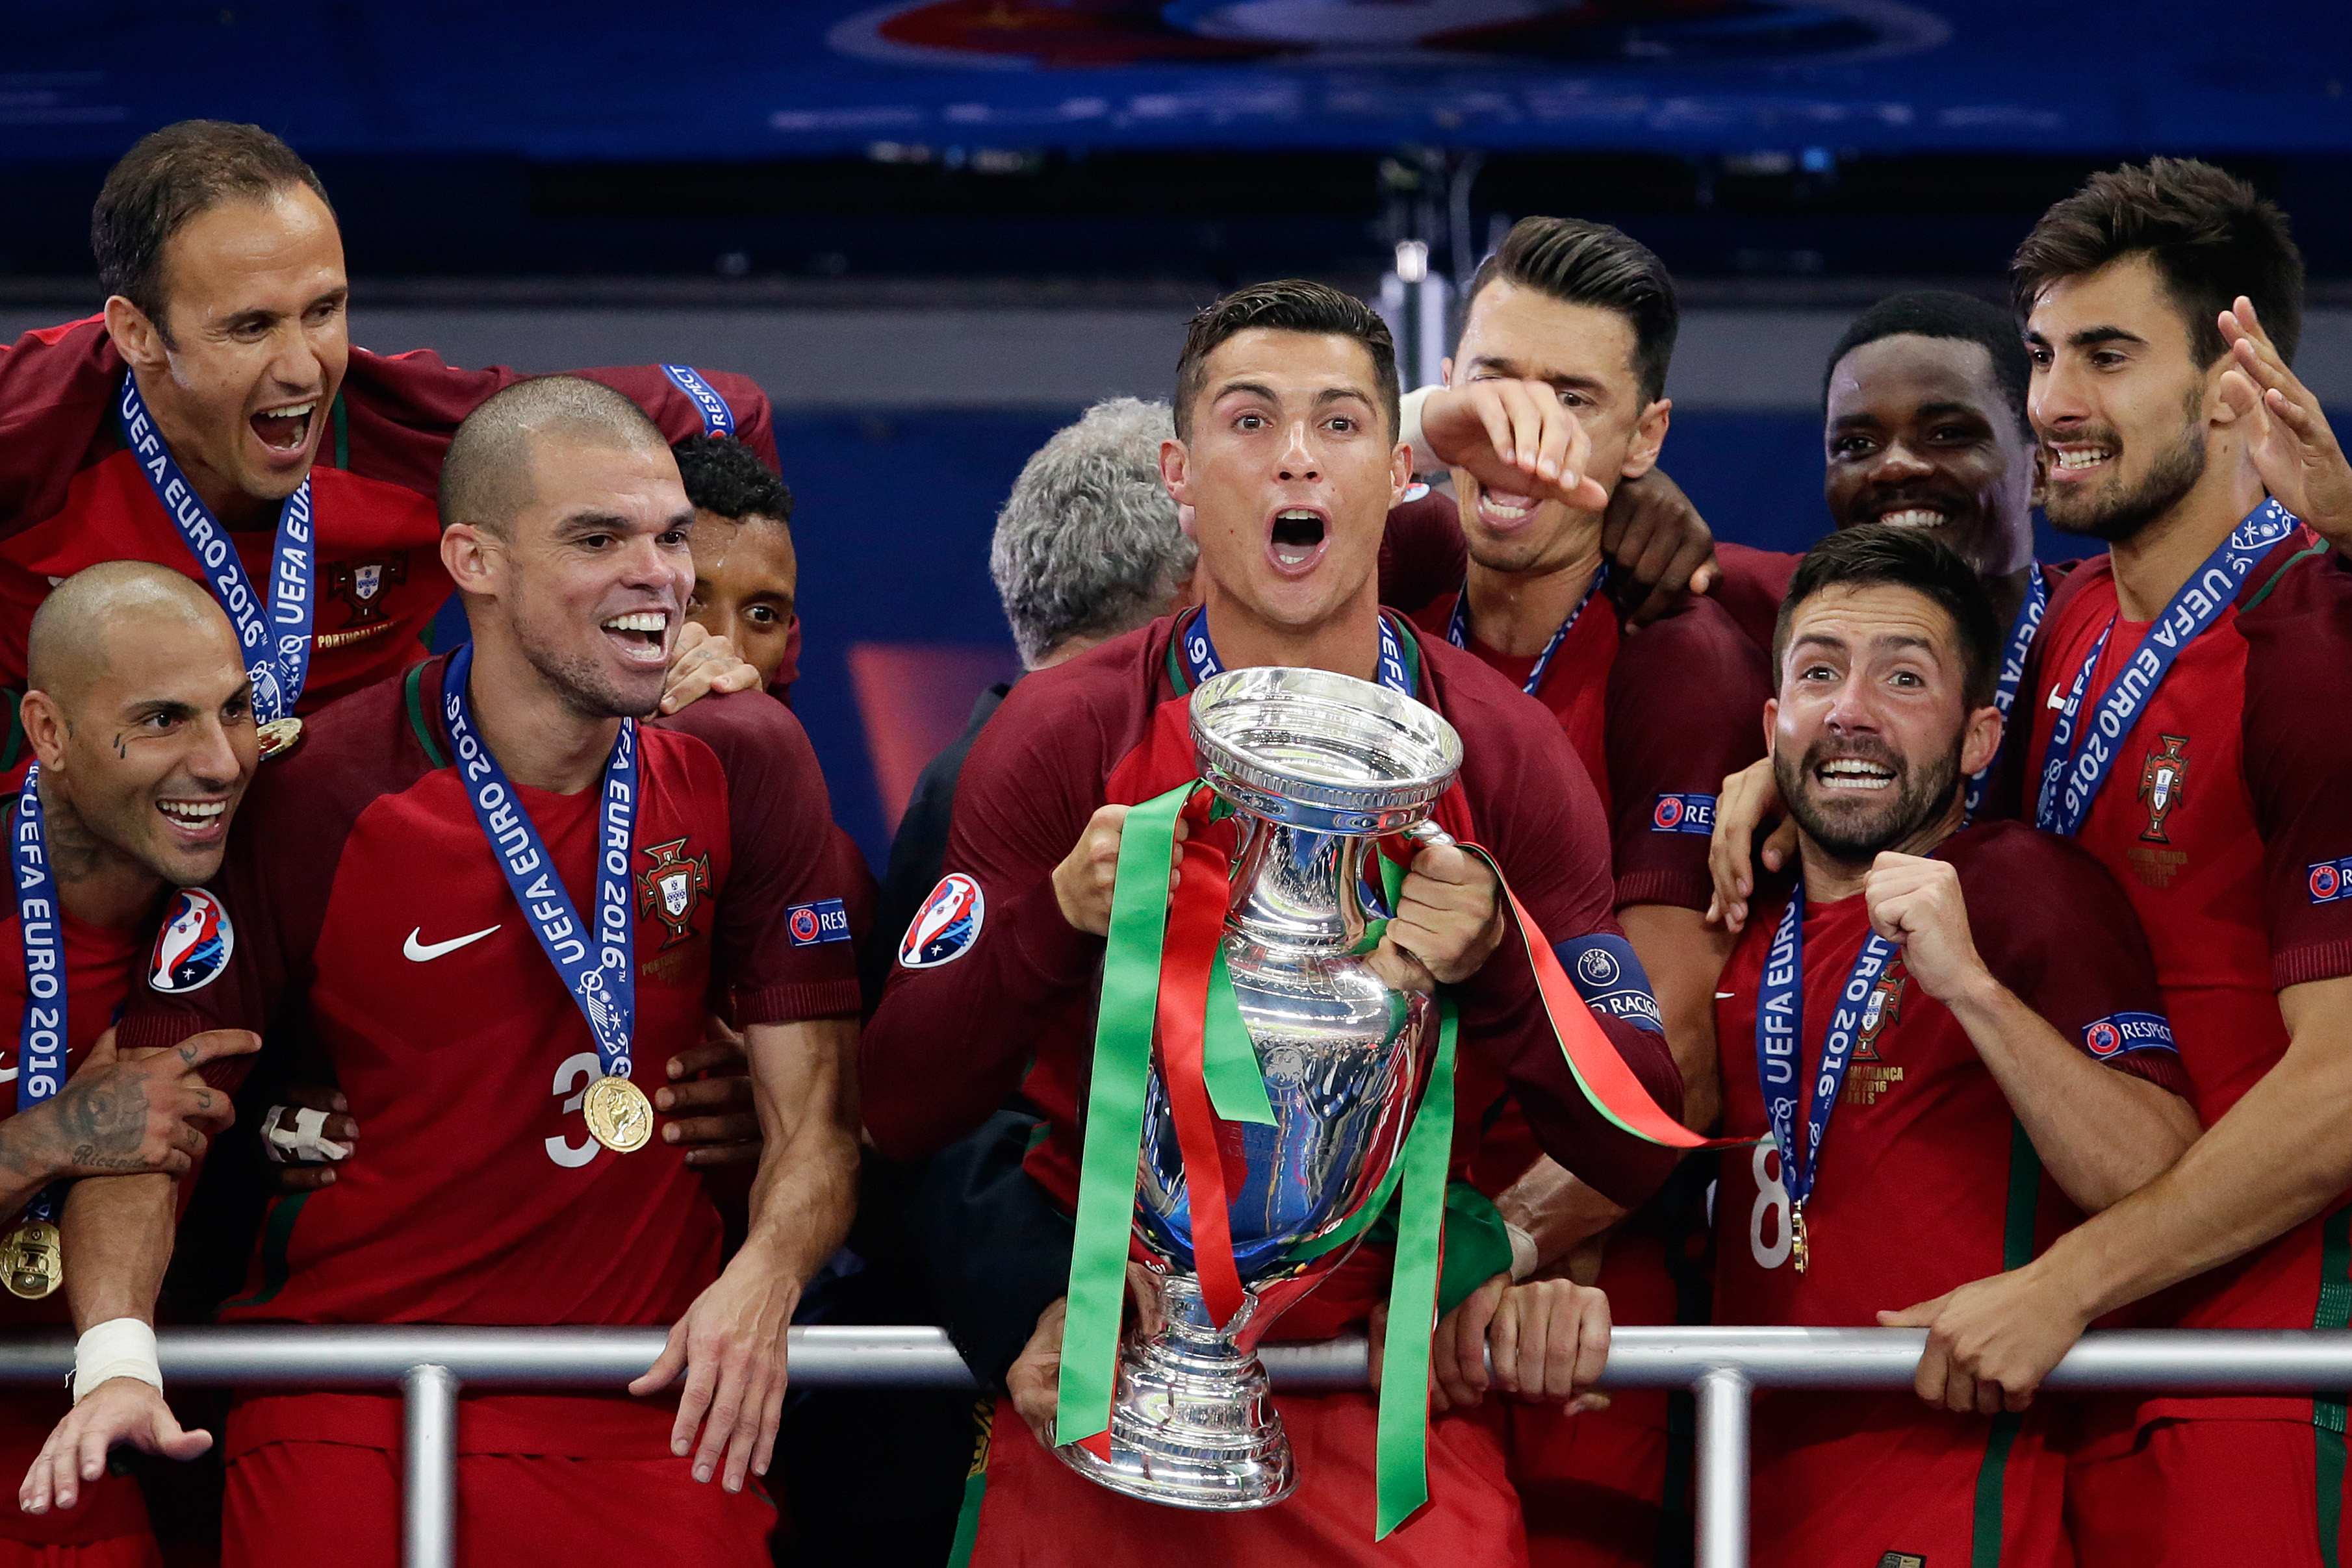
pixel 157 742
pixel 1586 353
pixel 1919 434
pixel 593 576
pixel 1290 471
pixel 253 345
pixel 745 575
pixel 2121 408
pixel 1871 733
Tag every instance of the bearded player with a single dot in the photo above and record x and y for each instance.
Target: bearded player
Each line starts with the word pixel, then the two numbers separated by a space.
pixel 1285 450
pixel 1953 1074
pixel 508 1177
pixel 140 721
pixel 216 420
pixel 1587 314
pixel 2187 697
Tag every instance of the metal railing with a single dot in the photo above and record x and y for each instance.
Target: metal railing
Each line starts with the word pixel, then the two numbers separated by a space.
pixel 1721 1365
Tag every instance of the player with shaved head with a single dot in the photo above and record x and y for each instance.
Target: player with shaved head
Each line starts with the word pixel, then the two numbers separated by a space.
pixel 140 727
pixel 595 884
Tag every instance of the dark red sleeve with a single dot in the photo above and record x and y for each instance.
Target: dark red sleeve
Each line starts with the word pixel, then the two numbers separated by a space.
pixel 783 947
pixel 1685 711
pixel 1754 583
pixel 951 1039
pixel 57 387
pixel 2074 951
pixel 2298 763
pixel 1422 553
pixel 400 410
pixel 1538 811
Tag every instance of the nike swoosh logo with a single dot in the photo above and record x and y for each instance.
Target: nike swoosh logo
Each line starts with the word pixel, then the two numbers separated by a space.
pixel 422 952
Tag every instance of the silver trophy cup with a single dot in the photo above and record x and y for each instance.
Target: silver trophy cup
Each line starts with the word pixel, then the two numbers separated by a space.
pixel 1319 766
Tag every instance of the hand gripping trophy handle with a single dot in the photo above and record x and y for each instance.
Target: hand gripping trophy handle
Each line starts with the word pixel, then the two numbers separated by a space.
pixel 1319 767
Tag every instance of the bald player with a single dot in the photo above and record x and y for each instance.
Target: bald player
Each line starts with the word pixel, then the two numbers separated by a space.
pixel 595 884
pixel 141 727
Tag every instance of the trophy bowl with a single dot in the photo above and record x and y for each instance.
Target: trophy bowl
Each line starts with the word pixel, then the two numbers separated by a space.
pixel 1319 767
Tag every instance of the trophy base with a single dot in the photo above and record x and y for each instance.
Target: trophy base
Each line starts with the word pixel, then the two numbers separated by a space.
pixel 1193 1424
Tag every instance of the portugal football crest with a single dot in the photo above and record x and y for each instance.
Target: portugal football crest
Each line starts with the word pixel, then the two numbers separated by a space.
pixel 194 944
pixel 2160 785
pixel 359 584
pixel 671 889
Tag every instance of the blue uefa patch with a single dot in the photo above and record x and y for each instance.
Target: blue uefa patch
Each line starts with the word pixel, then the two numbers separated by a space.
pixel 2120 1032
pixel 1610 980
pixel 1683 814
pixel 194 947
pixel 947 924
pixel 809 924
pixel 2330 881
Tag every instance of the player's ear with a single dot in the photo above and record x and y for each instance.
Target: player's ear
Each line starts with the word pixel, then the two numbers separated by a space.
pixel 1771 719
pixel 469 552
pixel 1649 439
pixel 1175 471
pixel 1980 740
pixel 136 337
pixel 1445 371
pixel 45 728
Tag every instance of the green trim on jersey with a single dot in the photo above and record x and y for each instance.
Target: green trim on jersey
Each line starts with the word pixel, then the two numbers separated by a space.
pixel 412 687
pixel 342 421
pixel 2016 1252
pixel 2335 1312
pixel 274 1269
pixel 975 1487
pixel 2280 576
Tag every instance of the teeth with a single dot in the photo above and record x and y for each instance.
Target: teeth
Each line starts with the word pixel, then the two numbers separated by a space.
pixel 300 410
pixel 1913 518
pixel 1296 515
pixel 639 621
pixel 1848 773
pixel 193 811
pixel 2087 458
pixel 1497 509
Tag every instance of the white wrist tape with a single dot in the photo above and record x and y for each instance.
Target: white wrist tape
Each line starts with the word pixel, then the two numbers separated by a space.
pixel 118 1347
pixel 305 1143
pixel 1524 1261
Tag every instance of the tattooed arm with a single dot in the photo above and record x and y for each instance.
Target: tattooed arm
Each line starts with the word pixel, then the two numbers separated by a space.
pixel 115 1117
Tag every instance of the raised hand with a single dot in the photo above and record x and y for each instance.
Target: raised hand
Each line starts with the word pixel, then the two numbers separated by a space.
pixel 701 663
pixel 2297 455
pixel 1515 437
pixel 120 1410
pixel 124 1117
pixel 1653 536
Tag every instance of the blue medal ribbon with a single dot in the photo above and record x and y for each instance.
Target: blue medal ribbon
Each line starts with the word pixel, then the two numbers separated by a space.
pixel 1201 655
pixel 276 635
pixel 41 1035
pixel 2078 764
pixel 597 964
pixel 2012 671
pixel 1779 1035
pixel 717 419
pixel 1457 630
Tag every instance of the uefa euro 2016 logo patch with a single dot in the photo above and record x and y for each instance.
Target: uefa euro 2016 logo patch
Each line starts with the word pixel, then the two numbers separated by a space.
pixel 194 944
pixel 2330 881
pixel 947 924
pixel 809 924
pixel 1683 814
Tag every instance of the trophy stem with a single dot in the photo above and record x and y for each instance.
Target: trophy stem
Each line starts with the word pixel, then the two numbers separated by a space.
pixel 1193 1423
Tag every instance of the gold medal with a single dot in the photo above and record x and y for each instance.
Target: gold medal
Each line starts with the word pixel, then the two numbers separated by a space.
pixel 618 1114
pixel 278 736
pixel 34 1258
pixel 1799 1249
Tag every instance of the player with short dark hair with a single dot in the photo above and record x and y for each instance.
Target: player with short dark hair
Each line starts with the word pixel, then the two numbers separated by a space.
pixel 1290 464
pixel 2186 695
pixel 1589 313
pixel 1952 1073
pixel 215 419
pixel 597 884
pixel 746 572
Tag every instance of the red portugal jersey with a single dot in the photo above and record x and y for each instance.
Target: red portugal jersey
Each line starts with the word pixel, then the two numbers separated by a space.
pixel 372 925
pixel 2223 820
pixel 1925 1183
pixel 1014 984
pixel 98 964
pixel 71 494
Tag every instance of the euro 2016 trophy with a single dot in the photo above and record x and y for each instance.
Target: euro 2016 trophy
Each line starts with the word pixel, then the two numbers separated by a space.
pixel 1316 767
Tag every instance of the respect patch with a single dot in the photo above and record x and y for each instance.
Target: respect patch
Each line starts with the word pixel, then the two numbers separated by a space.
pixel 2120 1032
pixel 1683 814
pixel 810 924
pixel 2330 882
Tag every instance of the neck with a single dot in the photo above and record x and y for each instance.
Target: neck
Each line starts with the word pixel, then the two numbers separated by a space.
pixel 2151 566
pixel 98 883
pixel 1517 613
pixel 2008 594
pixel 223 496
pixel 1347 644
pixel 538 737
pixel 1829 878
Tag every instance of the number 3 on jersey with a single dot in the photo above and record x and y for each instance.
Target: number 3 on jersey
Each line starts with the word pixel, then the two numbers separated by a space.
pixel 1770 1217
pixel 572 1081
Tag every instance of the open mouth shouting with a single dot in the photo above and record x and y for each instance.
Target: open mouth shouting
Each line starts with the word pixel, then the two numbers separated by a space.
pixel 1297 539
pixel 195 820
pixel 641 635
pixel 285 430
pixel 1502 511
pixel 1852 775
